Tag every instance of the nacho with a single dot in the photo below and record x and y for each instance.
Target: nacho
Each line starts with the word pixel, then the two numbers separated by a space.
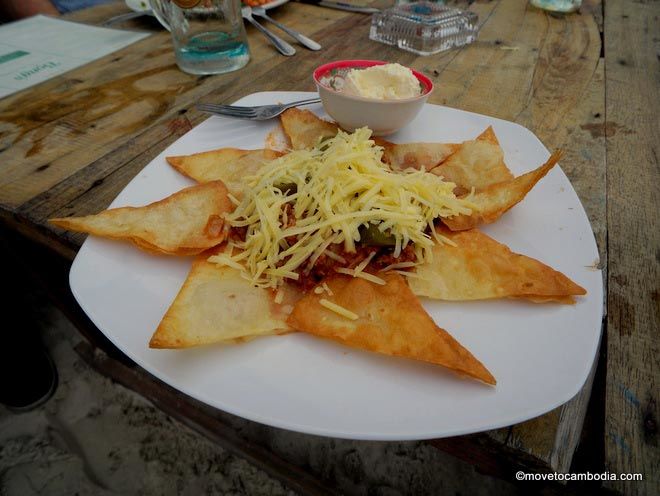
pixel 304 129
pixel 341 200
pixel 475 164
pixel 480 268
pixel 185 223
pixel 228 165
pixel 493 201
pixel 472 164
pixel 341 211
pixel 216 305
pixel 415 155
pixel 389 319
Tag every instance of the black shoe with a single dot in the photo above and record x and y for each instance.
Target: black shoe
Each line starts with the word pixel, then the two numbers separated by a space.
pixel 33 382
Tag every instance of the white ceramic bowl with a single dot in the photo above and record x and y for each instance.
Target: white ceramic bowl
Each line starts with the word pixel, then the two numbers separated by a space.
pixel 383 117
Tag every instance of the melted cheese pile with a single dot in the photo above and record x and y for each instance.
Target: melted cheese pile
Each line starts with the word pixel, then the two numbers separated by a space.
pixel 340 185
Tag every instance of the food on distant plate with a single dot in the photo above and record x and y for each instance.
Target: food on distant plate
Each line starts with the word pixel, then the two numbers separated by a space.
pixel 256 3
pixel 379 82
pixel 186 223
pixel 337 238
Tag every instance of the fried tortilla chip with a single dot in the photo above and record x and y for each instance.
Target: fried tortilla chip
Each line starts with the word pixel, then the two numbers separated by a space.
pixel 495 200
pixel 480 268
pixel 390 320
pixel 229 165
pixel 566 300
pixel 305 129
pixel 186 223
pixel 216 305
pixel 475 164
pixel 415 155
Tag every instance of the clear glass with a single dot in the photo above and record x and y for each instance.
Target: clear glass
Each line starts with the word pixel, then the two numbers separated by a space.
pixel 424 27
pixel 209 37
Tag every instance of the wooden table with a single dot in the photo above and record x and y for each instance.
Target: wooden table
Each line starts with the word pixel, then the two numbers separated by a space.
pixel 587 83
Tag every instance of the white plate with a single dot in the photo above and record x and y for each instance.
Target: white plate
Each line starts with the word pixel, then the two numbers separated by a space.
pixel 540 354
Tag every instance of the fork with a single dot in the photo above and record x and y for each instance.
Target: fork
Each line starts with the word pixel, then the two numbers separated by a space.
pixel 258 113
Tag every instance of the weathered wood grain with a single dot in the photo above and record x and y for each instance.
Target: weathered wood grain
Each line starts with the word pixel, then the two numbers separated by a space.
pixel 63 125
pixel 555 436
pixel 632 408
pixel 70 145
pixel 554 63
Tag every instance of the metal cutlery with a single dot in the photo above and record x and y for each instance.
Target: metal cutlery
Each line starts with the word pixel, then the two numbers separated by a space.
pixel 301 38
pixel 258 113
pixel 282 46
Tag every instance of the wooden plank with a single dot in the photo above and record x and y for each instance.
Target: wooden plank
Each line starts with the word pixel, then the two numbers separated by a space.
pixel 633 352
pixel 554 63
pixel 555 436
pixel 63 125
pixel 94 187
pixel 35 184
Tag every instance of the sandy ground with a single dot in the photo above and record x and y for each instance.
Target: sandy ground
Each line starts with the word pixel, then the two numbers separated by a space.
pixel 95 437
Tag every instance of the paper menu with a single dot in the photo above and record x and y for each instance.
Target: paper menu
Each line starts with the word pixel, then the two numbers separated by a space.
pixel 38 48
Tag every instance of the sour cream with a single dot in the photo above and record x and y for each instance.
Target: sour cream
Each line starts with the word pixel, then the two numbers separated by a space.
pixel 382 82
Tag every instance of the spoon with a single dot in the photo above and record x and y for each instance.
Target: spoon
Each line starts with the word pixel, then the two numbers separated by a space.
pixel 282 46
pixel 301 38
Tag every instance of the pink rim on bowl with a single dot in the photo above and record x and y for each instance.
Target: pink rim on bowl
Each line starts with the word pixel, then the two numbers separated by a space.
pixel 322 70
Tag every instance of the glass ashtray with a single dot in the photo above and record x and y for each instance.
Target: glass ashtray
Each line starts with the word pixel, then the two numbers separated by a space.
pixel 424 27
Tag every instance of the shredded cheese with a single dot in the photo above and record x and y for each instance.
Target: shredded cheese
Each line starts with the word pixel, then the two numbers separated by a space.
pixel 398 265
pixel 362 265
pixel 335 257
pixel 414 275
pixel 362 275
pixel 233 199
pixel 339 310
pixel 330 192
